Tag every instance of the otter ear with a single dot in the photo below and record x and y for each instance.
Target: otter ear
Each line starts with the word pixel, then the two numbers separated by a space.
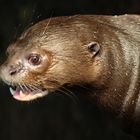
pixel 93 48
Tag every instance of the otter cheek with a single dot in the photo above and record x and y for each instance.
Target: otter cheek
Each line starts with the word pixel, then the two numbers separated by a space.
pixel 37 69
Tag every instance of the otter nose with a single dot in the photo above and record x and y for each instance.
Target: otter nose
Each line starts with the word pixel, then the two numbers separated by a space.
pixel 13 69
pixel 13 72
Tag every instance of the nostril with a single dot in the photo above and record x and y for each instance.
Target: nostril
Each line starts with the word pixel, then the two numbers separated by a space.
pixel 13 72
pixel 15 69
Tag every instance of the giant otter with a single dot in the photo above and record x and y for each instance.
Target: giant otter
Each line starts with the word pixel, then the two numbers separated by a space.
pixel 102 52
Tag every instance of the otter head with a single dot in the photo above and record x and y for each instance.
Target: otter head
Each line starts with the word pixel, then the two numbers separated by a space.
pixel 46 58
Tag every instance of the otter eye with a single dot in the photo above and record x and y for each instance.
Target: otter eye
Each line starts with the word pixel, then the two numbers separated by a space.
pixel 34 59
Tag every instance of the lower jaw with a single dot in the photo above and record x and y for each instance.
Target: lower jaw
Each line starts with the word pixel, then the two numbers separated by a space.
pixel 29 97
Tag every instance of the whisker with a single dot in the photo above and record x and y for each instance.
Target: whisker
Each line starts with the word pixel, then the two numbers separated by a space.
pixel 35 88
pixel 26 87
pixel 21 87
pixel 84 87
pixel 31 88
pixel 69 95
pixel 44 32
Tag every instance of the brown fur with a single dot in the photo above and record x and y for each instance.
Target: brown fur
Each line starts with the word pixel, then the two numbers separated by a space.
pixel 64 40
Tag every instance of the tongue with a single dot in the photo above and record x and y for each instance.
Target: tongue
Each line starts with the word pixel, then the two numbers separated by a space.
pixel 18 92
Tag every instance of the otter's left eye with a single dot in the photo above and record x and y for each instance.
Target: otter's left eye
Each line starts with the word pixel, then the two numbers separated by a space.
pixel 34 59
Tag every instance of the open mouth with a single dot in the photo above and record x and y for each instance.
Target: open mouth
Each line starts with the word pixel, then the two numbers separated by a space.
pixel 25 93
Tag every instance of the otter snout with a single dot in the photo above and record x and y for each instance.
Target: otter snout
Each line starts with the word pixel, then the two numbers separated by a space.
pixel 14 69
pixel 9 71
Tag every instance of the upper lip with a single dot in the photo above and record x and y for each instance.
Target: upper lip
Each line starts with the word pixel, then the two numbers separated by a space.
pixel 26 88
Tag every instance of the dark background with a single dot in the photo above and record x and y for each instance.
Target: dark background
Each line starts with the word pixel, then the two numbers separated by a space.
pixel 56 117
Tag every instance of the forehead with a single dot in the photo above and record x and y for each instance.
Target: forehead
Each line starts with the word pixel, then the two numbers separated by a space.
pixel 48 32
pixel 56 26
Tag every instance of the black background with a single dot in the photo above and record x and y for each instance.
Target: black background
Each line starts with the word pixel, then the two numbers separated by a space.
pixel 56 117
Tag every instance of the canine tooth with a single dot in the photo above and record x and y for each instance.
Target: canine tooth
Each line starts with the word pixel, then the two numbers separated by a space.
pixel 46 92
pixel 22 94
pixel 11 90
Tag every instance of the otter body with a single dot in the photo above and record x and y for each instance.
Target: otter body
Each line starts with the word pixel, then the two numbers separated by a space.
pixel 100 51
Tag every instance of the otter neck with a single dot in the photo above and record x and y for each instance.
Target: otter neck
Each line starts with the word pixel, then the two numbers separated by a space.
pixel 122 77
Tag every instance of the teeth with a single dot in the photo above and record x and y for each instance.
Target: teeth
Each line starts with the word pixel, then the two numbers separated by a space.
pixel 46 92
pixel 12 91
pixel 22 94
